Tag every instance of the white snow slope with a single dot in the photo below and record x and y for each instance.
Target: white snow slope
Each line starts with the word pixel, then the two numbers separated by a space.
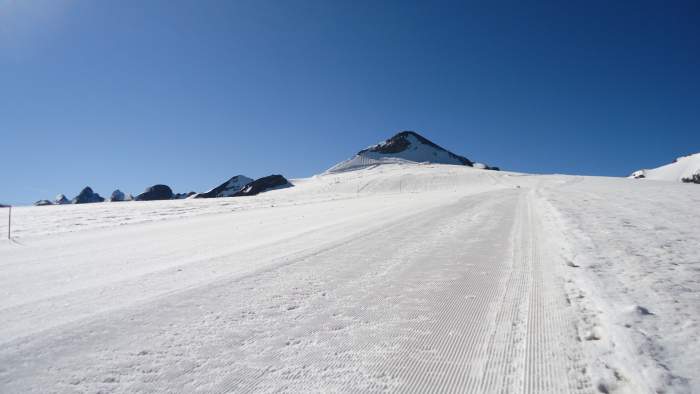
pixel 411 278
pixel 683 167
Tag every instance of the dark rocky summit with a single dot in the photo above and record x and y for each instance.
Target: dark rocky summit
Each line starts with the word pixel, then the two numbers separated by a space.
pixel 61 200
pixel 87 196
pixel 156 192
pixel 117 195
pixel 400 142
pixel 228 188
pixel 263 184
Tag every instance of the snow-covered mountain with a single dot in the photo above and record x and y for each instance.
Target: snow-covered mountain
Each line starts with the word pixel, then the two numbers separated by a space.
pixel 406 146
pixel 228 188
pixel 683 169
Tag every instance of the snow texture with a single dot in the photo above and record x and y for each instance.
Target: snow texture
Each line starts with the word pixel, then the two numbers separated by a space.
pixel 402 277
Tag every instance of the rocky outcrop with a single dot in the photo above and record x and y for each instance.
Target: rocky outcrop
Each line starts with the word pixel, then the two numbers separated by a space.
pixel 42 203
pixel 404 147
pixel 117 196
pixel 483 166
pixel 61 200
pixel 156 192
pixel 695 178
pixel 228 188
pixel 263 184
pixel 182 196
pixel 405 140
pixel 87 196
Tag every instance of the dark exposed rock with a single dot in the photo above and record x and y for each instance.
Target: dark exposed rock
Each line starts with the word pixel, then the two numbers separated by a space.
pixel 399 142
pixel 180 196
pixel 87 196
pixel 156 192
pixel 695 178
pixel 61 200
pixel 640 174
pixel 117 195
pixel 263 184
pixel 228 188
pixel 42 203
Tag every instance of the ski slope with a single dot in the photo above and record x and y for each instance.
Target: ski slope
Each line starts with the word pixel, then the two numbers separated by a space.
pixel 400 278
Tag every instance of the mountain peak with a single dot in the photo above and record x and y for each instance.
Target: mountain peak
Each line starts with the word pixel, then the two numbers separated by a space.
pixel 405 146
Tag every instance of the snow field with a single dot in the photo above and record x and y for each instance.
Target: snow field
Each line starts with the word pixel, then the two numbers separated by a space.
pixel 401 278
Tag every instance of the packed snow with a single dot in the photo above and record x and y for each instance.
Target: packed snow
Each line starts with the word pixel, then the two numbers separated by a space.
pixel 399 277
pixel 683 168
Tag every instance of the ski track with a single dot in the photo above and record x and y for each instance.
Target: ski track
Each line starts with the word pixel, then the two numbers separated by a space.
pixel 437 301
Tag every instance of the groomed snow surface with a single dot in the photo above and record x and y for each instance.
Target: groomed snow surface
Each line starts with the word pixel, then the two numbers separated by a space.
pixel 401 278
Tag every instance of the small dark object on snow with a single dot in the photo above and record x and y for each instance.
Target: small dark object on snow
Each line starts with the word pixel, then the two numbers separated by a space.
pixel 695 178
pixel 643 311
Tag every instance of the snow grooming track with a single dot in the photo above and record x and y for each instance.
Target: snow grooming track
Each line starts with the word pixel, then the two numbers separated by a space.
pixel 553 355
pixel 441 300
pixel 533 347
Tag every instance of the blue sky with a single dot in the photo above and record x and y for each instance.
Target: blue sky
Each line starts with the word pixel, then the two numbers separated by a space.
pixel 126 94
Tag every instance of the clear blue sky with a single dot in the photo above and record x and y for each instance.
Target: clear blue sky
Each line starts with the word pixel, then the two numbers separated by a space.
pixel 125 94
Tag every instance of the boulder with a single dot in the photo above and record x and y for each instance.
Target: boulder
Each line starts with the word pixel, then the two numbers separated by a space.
pixel 87 196
pixel 61 199
pixel 263 184
pixel 117 195
pixel 156 192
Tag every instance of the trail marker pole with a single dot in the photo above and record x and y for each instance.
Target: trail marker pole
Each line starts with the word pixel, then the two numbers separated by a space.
pixel 9 222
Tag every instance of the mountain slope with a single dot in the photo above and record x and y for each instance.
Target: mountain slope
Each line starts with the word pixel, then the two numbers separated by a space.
pixel 406 146
pixel 683 169
pixel 228 188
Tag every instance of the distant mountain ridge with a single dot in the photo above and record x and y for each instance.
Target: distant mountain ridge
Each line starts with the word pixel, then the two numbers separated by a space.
pixel 405 146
